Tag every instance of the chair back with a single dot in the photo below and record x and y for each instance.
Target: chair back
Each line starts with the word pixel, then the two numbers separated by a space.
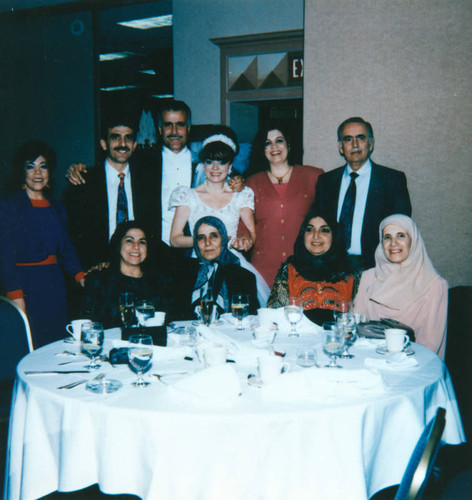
pixel 422 459
pixel 15 338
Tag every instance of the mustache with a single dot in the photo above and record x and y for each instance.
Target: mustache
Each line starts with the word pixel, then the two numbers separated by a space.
pixel 174 136
pixel 123 149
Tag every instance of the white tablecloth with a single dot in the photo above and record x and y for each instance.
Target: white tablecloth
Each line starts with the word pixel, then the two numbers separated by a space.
pixel 149 443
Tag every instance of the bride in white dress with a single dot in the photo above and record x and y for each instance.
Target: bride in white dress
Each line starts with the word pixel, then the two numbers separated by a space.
pixel 216 198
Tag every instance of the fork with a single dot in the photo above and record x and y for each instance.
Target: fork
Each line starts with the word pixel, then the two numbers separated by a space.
pixel 79 382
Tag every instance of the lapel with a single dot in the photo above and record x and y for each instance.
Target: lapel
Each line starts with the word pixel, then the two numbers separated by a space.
pixel 333 191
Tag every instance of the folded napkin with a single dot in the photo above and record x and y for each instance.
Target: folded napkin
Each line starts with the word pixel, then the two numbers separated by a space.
pixel 323 384
pixel 247 321
pixel 365 342
pixel 393 362
pixel 278 316
pixel 217 386
pixel 241 351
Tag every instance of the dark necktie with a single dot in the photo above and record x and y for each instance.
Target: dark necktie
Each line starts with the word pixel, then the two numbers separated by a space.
pixel 121 202
pixel 347 210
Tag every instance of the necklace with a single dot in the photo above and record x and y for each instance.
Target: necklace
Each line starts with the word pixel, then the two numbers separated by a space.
pixel 280 180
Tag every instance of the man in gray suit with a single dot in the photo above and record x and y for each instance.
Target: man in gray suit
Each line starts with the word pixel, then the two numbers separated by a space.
pixel 361 193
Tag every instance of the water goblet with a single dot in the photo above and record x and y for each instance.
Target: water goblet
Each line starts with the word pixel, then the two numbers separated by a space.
pixel 207 305
pixel 127 313
pixel 140 356
pixel 333 343
pixel 92 342
pixel 294 313
pixel 240 308
pixel 144 311
pixel 347 323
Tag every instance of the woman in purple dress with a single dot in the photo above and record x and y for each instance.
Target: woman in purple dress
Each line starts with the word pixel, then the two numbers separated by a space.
pixel 35 245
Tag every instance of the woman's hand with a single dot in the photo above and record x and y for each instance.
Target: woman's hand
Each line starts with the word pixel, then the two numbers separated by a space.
pixel 243 243
pixel 74 173
pixel 97 267
pixel 237 183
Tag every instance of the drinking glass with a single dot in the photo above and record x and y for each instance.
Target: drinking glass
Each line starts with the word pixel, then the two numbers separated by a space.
pixel 294 314
pixel 144 310
pixel 342 307
pixel 333 343
pixel 140 355
pixel 127 309
pixel 206 306
pixel 240 308
pixel 92 342
pixel 347 323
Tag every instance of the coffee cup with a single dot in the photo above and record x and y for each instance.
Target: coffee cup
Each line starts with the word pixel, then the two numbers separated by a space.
pixel 214 355
pixel 360 318
pixel 157 320
pixel 396 339
pixel 74 328
pixel 270 367
pixel 264 333
pixel 264 316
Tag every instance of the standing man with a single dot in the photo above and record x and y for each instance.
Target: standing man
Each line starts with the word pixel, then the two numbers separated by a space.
pixel 361 193
pixel 112 192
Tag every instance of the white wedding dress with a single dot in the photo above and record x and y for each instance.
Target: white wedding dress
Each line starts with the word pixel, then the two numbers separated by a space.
pixel 229 215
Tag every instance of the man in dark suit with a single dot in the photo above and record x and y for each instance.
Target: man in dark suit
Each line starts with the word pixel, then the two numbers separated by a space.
pixel 96 206
pixel 361 193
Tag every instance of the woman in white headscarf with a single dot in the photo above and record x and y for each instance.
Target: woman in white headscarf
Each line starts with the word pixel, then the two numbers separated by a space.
pixel 404 284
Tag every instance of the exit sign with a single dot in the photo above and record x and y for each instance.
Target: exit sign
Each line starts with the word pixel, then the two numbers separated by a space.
pixel 295 67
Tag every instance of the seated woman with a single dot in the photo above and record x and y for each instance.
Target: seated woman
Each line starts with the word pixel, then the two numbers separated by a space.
pixel 404 285
pixel 216 198
pixel 130 271
pixel 318 272
pixel 216 269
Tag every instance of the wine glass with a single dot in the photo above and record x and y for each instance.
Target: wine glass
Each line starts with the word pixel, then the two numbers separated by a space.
pixel 127 309
pixel 347 323
pixel 333 343
pixel 342 307
pixel 144 310
pixel 240 308
pixel 294 313
pixel 140 355
pixel 92 342
pixel 206 306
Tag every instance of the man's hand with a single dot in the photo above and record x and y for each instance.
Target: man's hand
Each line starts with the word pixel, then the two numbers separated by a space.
pixel 243 243
pixel 237 183
pixel 98 267
pixel 74 174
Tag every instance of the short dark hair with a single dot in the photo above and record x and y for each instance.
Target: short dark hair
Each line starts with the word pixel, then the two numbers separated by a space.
pixel 355 119
pixel 114 247
pixel 27 153
pixel 174 105
pixel 257 160
pixel 112 120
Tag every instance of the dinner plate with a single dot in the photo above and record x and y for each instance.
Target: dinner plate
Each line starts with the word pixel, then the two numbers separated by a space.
pixel 254 380
pixel 103 386
pixel 382 349
pixel 218 322
pixel 71 340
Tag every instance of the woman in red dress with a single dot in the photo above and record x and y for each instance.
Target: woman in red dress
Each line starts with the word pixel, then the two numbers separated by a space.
pixel 283 194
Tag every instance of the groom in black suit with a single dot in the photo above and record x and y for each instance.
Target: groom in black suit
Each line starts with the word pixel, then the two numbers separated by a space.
pixel 361 193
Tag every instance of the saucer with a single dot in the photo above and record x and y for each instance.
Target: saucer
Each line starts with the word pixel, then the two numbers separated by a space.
pixel 104 386
pixel 254 380
pixel 382 349
pixel 71 340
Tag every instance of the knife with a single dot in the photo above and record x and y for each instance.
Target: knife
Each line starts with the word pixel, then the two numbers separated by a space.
pixel 39 372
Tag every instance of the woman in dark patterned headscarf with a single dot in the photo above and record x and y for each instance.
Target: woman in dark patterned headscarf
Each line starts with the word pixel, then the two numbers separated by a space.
pixel 318 272
pixel 216 272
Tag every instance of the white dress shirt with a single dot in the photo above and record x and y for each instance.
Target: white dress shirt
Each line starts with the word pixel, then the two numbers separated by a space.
pixel 176 171
pixel 362 188
pixel 113 181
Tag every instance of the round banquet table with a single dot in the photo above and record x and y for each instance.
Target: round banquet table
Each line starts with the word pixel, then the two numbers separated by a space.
pixel 149 443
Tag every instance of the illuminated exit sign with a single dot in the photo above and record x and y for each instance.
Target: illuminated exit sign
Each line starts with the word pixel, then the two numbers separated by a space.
pixel 295 67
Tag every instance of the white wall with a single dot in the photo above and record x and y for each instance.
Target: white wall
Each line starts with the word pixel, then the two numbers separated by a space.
pixel 197 60
pixel 405 66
